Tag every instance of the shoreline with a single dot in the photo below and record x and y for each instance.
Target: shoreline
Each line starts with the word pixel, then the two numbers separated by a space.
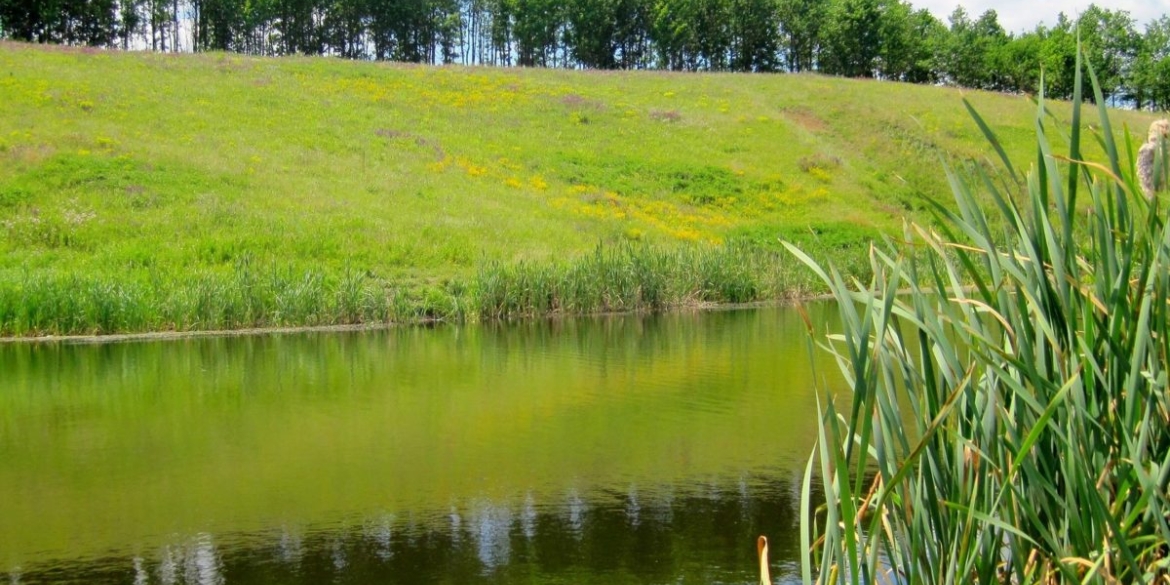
pixel 148 336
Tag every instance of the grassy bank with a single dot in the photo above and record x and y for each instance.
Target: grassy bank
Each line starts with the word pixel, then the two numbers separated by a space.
pixel 621 278
pixel 144 192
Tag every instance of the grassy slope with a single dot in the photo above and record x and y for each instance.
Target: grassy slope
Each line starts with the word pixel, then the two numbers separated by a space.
pixel 158 168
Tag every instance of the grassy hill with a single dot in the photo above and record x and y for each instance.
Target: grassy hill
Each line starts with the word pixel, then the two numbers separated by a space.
pixel 153 192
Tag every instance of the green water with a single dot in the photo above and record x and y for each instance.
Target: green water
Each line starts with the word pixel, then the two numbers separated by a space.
pixel 641 449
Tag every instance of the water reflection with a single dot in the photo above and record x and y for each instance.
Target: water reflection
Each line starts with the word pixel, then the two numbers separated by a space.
pixel 493 535
pixel 290 547
pixel 633 509
pixel 528 517
pixel 193 562
pixel 703 535
pixel 641 449
pixel 575 510
pixel 141 577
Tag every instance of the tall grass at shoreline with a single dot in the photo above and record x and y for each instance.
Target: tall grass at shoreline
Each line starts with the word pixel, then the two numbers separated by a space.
pixel 636 278
pixel 1009 420
pixel 246 297
pixel 252 294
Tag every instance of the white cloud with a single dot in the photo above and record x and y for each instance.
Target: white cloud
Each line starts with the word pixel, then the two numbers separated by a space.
pixel 1023 15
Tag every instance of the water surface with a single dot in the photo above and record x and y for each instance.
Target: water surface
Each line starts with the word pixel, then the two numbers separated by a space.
pixel 639 449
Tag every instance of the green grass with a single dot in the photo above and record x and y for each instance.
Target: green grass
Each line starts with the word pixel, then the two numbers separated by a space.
pixel 144 191
pixel 1009 421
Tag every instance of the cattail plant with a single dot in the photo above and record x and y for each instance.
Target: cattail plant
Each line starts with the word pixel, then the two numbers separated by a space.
pixel 1009 419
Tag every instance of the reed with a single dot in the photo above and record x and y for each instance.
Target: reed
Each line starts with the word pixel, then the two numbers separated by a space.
pixel 638 277
pixel 1009 420
pixel 612 278
pixel 247 296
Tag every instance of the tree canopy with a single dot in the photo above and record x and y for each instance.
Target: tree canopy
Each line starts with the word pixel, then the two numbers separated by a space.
pixel 884 39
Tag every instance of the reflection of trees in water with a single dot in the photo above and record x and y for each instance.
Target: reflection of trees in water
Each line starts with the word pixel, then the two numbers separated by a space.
pixel 381 535
pixel 195 562
pixel 456 522
pixel 528 517
pixel 576 513
pixel 633 508
pixel 291 547
pixel 337 555
pixel 637 534
pixel 493 524
pixel 141 576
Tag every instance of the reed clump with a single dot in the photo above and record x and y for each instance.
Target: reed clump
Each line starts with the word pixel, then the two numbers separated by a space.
pixel 262 294
pixel 247 296
pixel 636 277
pixel 1009 419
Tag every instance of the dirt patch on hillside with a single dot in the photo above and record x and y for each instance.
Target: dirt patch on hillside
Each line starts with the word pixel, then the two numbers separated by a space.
pixel 580 102
pixel 805 118
pixel 419 140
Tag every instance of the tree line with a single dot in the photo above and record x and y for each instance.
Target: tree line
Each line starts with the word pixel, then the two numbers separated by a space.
pixel 886 39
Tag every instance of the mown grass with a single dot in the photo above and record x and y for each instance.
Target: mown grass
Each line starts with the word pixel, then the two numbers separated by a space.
pixel 1009 420
pixel 156 177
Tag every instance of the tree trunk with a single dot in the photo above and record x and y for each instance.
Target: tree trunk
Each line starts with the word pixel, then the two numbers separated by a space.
pixel 175 21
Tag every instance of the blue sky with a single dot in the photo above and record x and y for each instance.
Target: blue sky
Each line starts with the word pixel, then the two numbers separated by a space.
pixel 1019 15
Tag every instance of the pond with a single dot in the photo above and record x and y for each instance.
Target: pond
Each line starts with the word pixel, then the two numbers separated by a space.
pixel 632 449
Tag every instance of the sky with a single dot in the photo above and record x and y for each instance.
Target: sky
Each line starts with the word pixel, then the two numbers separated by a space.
pixel 1022 15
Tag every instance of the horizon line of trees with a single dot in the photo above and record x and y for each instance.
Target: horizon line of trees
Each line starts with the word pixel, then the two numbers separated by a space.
pixel 884 39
